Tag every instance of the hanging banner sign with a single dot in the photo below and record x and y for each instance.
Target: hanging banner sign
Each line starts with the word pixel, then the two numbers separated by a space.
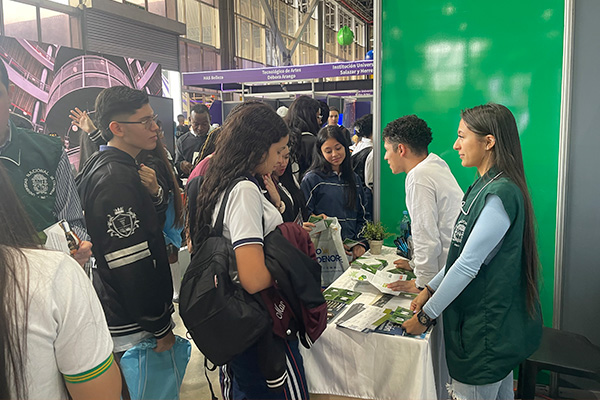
pixel 277 74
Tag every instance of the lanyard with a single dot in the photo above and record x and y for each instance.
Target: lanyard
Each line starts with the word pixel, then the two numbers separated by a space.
pixel 477 195
pixel 287 193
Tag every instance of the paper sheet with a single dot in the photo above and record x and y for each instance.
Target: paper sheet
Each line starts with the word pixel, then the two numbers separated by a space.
pixel 363 321
pixel 381 279
pixel 56 239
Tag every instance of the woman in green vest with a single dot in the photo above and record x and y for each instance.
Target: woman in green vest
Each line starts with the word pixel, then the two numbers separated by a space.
pixel 488 292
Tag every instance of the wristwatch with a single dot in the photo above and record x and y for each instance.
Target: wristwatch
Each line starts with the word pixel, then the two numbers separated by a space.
pixel 424 319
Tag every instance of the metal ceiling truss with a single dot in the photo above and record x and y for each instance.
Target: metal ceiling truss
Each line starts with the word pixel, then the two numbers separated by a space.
pixel 285 54
pixel 362 8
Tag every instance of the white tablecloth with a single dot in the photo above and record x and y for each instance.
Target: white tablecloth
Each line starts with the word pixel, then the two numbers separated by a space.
pixel 343 362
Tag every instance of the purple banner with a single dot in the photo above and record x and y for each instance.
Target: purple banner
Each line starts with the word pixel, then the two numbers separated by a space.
pixel 279 74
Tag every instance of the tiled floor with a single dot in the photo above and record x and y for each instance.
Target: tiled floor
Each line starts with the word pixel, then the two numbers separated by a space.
pixel 194 385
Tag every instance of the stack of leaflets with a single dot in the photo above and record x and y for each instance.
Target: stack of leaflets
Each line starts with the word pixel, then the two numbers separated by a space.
pixel 383 316
pixel 393 323
pixel 372 274
pixel 369 264
pixel 321 223
pixel 362 318
pixel 399 315
pixel 359 275
pixel 409 275
pixel 342 295
pixel 391 328
pixel 337 299
pixel 389 300
pixel 313 219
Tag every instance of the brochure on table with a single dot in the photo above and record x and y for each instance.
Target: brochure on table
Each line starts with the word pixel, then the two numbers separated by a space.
pixel 369 269
pixel 383 316
pixel 359 301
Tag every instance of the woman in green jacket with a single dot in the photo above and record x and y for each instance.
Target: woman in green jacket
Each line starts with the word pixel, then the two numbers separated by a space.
pixel 488 292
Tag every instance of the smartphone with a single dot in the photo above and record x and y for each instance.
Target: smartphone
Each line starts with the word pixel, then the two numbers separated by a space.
pixel 72 238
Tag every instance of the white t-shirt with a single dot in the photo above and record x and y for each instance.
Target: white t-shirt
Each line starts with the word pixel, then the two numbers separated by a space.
pixel 369 171
pixel 246 208
pixel 67 332
pixel 363 144
pixel 433 200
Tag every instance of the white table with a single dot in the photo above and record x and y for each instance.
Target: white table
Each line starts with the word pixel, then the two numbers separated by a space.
pixel 348 363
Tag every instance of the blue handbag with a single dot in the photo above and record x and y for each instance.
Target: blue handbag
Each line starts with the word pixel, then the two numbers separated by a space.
pixel 152 375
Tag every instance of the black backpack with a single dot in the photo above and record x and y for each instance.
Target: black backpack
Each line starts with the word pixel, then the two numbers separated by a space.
pixel 358 162
pixel 222 318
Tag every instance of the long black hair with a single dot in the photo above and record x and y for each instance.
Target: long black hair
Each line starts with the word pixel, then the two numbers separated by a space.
pixel 289 182
pixel 301 117
pixel 497 120
pixel 322 167
pixel 364 126
pixel 17 233
pixel 160 153
pixel 242 145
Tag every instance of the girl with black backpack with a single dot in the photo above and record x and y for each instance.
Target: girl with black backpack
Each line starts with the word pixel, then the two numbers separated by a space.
pixel 252 142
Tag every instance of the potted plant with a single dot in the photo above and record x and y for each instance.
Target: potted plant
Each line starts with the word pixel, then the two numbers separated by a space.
pixel 375 232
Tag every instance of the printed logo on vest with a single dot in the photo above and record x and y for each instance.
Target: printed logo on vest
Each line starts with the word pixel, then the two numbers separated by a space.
pixel 39 183
pixel 459 232
pixel 122 224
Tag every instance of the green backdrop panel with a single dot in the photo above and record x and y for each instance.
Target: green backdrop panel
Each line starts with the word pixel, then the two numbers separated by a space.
pixel 439 57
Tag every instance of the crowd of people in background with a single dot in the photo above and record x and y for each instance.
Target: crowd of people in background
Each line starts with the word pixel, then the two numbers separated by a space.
pixel 474 258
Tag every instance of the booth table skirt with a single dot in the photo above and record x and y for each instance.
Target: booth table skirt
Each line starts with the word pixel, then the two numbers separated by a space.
pixel 347 363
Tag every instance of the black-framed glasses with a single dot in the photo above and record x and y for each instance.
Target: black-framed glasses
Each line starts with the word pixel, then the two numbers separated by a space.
pixel 147 122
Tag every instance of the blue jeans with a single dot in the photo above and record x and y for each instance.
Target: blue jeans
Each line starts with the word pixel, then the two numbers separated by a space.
pixel 501 390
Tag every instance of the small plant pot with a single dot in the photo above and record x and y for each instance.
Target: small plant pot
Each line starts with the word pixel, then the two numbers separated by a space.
pixel 375 246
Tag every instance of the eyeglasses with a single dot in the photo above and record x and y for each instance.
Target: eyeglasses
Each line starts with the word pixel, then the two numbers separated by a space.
pixel 147 122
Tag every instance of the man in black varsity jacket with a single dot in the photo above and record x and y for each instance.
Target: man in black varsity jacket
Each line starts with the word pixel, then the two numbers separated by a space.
pixel 133 278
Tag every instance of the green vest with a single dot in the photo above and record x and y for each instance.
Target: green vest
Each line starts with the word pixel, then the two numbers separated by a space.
pixel 487 328
pixel 31 160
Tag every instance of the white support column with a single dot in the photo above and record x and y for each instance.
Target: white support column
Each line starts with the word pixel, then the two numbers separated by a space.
pixel 377 20
pixel 563 159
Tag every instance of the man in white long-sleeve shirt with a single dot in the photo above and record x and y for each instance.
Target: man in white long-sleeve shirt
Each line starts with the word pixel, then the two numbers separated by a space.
pixel 433 198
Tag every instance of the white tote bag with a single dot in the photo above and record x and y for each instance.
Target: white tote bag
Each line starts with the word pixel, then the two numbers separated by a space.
pixel 327 238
